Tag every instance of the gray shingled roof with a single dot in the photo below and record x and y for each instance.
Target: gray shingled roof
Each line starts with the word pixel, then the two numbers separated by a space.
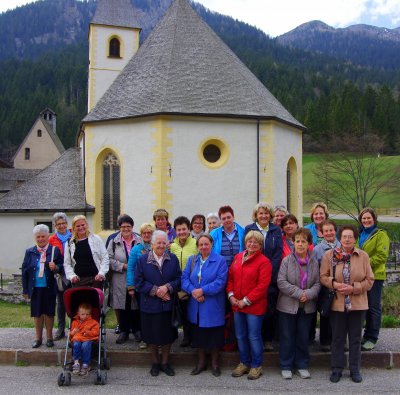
pixel 115 13
pixel 56 140
pixel 11 178
pixel 59 187
pixel 185 68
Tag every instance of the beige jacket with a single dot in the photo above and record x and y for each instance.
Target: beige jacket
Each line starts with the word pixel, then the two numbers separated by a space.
pixel 361 278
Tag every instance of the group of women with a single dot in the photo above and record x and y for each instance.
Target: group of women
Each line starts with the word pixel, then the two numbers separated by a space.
pixel 213 269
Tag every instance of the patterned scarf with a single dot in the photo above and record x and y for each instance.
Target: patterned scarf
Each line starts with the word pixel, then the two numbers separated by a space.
pixel 303 273
pixel 42 252
pixel 341 257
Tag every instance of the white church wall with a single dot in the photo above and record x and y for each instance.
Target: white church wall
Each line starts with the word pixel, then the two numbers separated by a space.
pixel 16 230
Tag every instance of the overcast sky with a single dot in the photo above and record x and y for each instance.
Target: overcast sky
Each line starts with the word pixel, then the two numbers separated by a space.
pixel 276 17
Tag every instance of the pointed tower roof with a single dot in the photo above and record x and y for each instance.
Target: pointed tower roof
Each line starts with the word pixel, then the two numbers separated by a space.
pixel 115 13
pixel 185 68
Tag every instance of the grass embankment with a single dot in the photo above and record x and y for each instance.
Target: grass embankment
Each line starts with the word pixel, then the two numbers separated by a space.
pixel 384 200
pixel 19 316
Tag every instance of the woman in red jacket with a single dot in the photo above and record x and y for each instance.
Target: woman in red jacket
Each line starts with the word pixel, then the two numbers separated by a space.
pixel 248 281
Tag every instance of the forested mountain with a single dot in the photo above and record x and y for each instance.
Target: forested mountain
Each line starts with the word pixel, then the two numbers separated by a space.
pixel 43 52
pixel 361 44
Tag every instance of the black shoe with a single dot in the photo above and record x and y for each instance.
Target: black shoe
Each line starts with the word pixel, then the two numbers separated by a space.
pixel 59 335
pixel 216 371
pixel 185 342
pixel 122 338
pixel 335 377
pixel 155 369
pixel 117 331
pixel 138 337
pixel 197 370
pixel 167 369
pixel 50 343
pixel 36 344
pixel 356 377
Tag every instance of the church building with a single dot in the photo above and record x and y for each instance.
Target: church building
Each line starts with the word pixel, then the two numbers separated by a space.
pixel 180 123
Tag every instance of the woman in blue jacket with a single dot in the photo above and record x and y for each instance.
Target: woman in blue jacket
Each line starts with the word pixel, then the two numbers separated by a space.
pixel 263 215
pixel 158 278
pixel 204 279
pixel 40 264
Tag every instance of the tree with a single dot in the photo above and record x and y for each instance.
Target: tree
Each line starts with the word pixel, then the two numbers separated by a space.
pixel 352 179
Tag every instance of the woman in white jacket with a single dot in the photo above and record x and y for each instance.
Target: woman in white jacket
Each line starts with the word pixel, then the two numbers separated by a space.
pixel 85 258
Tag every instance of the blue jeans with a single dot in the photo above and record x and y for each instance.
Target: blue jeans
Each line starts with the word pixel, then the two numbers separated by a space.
pixel 248 334
pixel 82 351
pixel 294 336
pixel 374 312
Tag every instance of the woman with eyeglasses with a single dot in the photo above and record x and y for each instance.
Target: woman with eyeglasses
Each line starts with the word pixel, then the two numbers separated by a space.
pixel 119 250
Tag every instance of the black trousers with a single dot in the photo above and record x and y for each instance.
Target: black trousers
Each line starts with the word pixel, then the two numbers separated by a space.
pixel 346 324
pixel 129 319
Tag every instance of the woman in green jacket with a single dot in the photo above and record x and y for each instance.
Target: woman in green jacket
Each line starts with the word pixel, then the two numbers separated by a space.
pixel 375 242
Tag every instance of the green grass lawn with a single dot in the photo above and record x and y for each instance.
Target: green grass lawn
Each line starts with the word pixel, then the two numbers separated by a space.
pixel 310 162
pixel 19 316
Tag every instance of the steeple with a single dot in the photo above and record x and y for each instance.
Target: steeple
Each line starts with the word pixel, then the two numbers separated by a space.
pixel 113 40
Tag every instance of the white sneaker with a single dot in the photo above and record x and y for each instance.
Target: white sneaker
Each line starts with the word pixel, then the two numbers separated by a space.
pixel 304 373
pixel 286 374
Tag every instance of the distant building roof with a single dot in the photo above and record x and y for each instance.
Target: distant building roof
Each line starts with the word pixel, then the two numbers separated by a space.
pixel 11 178
pixel 115 13
pixel 185 68
pixel 59 187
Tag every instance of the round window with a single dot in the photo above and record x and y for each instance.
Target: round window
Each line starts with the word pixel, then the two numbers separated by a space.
pixel 211 153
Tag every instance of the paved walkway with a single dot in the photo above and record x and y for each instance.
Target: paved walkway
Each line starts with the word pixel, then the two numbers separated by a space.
pixel 15 347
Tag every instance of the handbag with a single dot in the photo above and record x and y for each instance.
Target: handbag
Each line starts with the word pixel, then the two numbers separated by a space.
pixel 183 295
pixel 176 316
pixel 62 282
pixel 326 297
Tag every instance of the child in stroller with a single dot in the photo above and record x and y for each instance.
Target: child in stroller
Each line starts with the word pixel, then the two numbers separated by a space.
pixel 84 330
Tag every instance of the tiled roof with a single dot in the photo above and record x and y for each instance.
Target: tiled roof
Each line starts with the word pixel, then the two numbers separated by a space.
pixel 185 68
pixel 59 187
pixel 115 13
pixel 10 178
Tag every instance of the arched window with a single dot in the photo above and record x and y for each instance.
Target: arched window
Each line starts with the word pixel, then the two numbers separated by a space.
pixel 288 189
pixel 111 200
pixel 115 48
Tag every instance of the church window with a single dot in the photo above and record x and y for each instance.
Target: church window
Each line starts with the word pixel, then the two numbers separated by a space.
pixel 39 133
pixel 288 189
pixel 211 153
pixel 111 199
pixel 214 153
pixel 27 153
pixel 115 48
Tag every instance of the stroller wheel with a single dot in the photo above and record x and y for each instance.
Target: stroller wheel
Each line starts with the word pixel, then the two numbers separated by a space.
pixel 67 381
pixel 61 379
pixel 101 378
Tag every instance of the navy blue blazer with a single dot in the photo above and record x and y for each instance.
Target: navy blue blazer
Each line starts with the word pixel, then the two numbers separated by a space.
pixel 29 267
pixel 148 277
pixel 272 248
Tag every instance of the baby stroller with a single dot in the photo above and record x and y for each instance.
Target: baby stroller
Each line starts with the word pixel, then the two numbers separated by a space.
pixel 73 297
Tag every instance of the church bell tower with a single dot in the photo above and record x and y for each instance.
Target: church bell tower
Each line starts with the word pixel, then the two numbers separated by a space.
pixel 113 40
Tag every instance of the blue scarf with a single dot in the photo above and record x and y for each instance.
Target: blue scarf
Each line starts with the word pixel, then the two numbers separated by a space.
pixel 365 234
pixel 65 237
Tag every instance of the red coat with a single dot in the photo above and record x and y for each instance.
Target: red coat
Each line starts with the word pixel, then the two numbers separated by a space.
pixel 250 279
pixel 88 329
pixel 56 242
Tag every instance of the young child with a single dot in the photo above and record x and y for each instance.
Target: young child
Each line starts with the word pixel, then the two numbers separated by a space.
pixel 84 330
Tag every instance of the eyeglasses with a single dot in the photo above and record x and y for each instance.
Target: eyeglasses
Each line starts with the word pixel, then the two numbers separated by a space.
pixel 347 237
pixel 61 223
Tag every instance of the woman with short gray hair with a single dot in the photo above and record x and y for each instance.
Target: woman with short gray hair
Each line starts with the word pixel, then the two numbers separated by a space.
pixel 59 239
pixel 40 264
pixel 157 279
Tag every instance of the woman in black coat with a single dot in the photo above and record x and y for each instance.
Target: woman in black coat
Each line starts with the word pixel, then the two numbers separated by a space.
pixel 157 279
